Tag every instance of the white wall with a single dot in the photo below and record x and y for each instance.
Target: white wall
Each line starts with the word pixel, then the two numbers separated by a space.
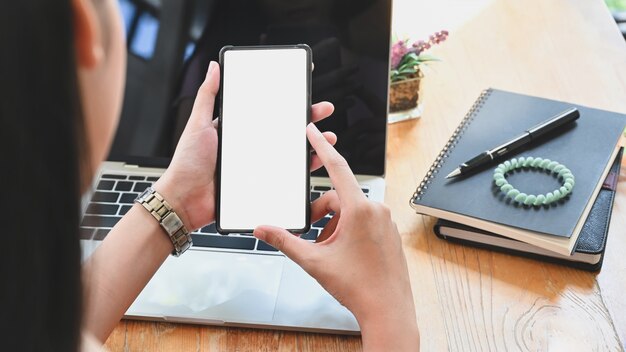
pixel 417 19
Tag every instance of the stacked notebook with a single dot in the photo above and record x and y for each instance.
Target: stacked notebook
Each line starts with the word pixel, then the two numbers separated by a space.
pixel 472 209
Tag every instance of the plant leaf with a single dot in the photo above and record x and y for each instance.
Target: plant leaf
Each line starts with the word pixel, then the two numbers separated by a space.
pixel 412 56
pixel 427 57
pixel 408 65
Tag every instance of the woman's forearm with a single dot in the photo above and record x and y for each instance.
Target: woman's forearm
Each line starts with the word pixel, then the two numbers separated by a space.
pixel 399 334
pixel 120 268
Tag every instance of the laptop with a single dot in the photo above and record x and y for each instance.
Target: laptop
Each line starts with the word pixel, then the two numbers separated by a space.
pixel 236 280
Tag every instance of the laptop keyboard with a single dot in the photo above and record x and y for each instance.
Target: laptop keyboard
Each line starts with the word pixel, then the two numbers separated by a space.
pixel 115 194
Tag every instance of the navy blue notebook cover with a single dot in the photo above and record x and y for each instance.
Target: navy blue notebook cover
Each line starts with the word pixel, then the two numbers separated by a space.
pixel 587 147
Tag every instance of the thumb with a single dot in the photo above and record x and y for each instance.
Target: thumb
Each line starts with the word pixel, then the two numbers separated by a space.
pixel 202 113
pixel 291 245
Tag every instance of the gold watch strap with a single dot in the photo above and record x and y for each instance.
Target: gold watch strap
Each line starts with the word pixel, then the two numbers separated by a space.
pixel 168 219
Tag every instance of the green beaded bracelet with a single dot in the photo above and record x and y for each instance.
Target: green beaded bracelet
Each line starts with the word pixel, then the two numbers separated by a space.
pixel 560 170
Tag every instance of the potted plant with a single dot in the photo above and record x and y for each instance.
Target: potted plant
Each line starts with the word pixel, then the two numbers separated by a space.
pixel 406 74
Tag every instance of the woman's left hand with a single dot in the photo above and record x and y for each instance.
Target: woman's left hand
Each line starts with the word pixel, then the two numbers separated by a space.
pixel 189 182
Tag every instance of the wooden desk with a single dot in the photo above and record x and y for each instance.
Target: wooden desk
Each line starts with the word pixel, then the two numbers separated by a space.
pixel 469 299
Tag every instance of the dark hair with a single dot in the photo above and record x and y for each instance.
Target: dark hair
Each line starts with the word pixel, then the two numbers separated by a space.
pixel 41 147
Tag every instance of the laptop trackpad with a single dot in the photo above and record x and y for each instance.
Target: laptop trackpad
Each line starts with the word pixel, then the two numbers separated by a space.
pixel 203 285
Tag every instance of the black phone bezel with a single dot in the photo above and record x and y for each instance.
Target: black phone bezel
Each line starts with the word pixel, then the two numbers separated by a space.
pixel 218 173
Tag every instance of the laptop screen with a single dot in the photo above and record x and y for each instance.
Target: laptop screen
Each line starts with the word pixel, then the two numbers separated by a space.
pixel 171 42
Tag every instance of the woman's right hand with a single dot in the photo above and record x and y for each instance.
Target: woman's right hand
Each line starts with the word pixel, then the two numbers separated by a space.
pixel 358 257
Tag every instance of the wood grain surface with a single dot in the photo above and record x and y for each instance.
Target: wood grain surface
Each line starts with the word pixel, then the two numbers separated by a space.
pixel 469 299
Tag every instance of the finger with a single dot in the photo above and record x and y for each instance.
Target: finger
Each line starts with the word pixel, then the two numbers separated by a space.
pixel 202 112
pixel 331 137
pixel 329 229
pixel 328 202
pixel 291 245
pixel 340 174
pixel 321 111
pixel 216 122
pixel 316 162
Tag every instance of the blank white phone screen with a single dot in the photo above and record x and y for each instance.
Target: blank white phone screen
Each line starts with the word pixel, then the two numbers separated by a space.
pixel 264 147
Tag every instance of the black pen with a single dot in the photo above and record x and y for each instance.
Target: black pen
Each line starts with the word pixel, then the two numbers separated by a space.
pixel 528 136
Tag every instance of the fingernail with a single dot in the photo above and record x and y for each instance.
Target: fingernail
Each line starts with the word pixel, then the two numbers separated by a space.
pixel 211 67
pixel 259 233
pixel 314 128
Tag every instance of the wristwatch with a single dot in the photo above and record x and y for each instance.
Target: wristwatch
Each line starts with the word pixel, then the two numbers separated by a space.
pixel 167 218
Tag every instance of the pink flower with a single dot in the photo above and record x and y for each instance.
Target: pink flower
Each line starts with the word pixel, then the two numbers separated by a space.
pixel 418 47
pixel 398 50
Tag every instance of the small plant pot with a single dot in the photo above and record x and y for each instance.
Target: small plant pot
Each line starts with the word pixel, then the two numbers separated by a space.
pixel 404 99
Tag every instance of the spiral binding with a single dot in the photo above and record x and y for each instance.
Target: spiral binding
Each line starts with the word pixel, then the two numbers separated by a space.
pixel 445 152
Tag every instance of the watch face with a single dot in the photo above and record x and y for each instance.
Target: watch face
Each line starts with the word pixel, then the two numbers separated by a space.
pixel 171 223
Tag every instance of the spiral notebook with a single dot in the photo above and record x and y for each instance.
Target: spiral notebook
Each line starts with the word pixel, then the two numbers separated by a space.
pixel 589 251
pixel 587 147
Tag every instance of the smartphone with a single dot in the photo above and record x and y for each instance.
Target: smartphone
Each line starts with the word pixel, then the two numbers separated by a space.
pixel 263 154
